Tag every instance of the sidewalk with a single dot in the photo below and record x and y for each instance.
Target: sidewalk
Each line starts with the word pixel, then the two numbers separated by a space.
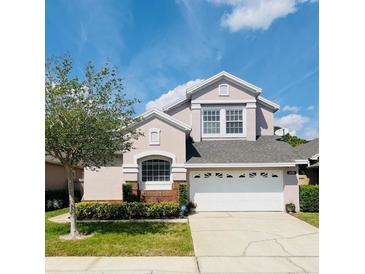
pixel 178 265
pixel 121 265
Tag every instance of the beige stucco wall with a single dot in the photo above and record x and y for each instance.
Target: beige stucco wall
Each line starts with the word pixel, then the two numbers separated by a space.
pixel 172 140
pixel 251 122
pixel 291 187
pixel 196 123
pixel 264 120
pixel 211 92
pixel 104 183
pixel 56 178
pixel 182 113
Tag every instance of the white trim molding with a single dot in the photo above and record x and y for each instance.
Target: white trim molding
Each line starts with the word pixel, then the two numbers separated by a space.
pixel 196 106
pixel 154 153
pixel 268 103
pixel 130 168
pixel 315 157
pixel 174 104
pixel 233 165
pixel 251 105
pixel 302 162
pixel 220 102
pixel 178 169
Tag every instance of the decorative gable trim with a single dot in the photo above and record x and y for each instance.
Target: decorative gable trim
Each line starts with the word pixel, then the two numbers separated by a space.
pixel 165 117
pixel 254 89
pixel 268 103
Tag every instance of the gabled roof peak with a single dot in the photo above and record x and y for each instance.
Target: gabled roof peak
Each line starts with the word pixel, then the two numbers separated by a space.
pixel 220 75
pixel 165 117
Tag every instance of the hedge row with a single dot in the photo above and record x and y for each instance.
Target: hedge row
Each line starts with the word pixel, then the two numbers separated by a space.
pixel 309 198
pixel 125 210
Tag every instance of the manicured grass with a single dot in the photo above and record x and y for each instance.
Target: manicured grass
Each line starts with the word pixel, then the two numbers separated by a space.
pixel 309 217
pixel 120 239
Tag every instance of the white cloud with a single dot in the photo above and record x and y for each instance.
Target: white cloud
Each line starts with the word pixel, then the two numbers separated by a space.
pixel 293 122
pixel 172 95
pixel 310 133
pixel 293 109
pixel 310 108
pixel 256 14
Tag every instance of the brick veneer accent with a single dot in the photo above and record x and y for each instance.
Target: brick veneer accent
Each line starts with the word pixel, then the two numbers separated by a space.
pixel 134 187
pixel 152 196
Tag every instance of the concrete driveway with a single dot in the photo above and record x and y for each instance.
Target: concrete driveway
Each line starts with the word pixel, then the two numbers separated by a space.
pixel 253 242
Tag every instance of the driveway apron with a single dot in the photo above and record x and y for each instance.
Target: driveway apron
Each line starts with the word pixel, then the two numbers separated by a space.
pixel 253 242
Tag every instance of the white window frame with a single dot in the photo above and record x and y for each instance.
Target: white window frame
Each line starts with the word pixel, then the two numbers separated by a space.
pixel 154 185
pixel 220 121
pixel 233 121
pixel 222 124
pixel 220 90
pixel 151 131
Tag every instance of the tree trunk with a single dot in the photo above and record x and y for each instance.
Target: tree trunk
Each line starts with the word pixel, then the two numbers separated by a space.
pixel 71 197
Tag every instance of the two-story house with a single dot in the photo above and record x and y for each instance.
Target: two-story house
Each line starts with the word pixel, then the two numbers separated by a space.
pixel 220 140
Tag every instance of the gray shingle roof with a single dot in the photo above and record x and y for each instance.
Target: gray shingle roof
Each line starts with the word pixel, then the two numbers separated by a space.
pixel 266 149
pixel 309 149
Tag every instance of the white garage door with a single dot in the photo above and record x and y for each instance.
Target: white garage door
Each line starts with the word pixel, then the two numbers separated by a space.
pixel 252 190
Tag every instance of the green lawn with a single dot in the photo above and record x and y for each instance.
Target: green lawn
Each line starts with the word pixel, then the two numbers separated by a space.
pixel 309 217
pixel 120 239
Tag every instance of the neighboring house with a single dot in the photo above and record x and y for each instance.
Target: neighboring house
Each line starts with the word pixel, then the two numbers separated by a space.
pixel 309 174
pixel 56 178
pixel 220 140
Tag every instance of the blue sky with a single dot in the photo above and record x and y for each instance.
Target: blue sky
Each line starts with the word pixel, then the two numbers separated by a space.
pixel 164 46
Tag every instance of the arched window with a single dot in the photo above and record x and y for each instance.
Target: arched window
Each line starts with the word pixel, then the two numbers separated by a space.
pixel 156 170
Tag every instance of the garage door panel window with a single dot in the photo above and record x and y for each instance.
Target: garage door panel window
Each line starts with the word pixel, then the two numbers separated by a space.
pixel 207 175
pixel 252 174
pixel 219 175
pixel 264 174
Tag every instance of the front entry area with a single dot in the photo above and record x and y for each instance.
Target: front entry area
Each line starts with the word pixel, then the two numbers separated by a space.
pixel 237 190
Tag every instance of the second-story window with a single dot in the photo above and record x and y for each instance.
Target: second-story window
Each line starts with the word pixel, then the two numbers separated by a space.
pixel 211 121
pixel 223 121
pixel 234 121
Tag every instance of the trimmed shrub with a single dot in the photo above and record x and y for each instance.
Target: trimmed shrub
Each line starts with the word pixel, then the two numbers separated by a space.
pixel 126 210
pixel 128 196
pixel 56 199
pixel 309 198
pixel 290 207
pixel 183 194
